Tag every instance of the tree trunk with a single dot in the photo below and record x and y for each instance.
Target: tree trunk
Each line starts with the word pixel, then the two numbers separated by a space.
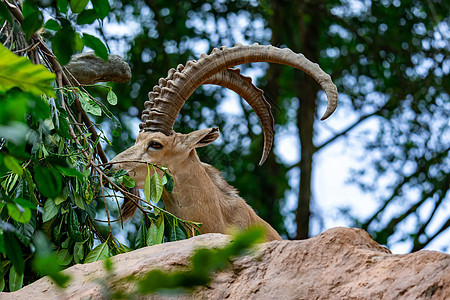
pixel 307 90
pixel 296 24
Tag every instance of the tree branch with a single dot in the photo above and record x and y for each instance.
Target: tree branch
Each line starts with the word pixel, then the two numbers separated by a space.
pixel 344 132
pixel 348 129
pixel 444 227
pixel 418 245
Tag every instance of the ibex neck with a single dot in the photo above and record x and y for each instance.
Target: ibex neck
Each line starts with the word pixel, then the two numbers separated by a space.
pixel 195 196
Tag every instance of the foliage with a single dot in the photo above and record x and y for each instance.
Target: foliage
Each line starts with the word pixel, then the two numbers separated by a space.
pixel 20 72
pixel 54 191
pixel 400 80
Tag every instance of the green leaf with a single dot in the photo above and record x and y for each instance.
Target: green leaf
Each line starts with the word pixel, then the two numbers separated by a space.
pixel 48 265
pixel 164 179
pixel 30 186
pixel 128 181
pixel 2 246
pixel 4 12
pixel 101 7
pixel 155 234
pixel 147 185
pixel 50 210
pixel 98 253
pixel 88 105
pixel 74 233
pixel 87 16
pixel 156 187
pixel 63 257
pixel 78 6
pixel 97 45
pixel 62 197
pixel 48 181
pixel 90 209
pixel 78 252
pixel 32 23
pixel 19 214
pixel 79 202
pixel 63 129
pixel 140 236
pixel 72 172
pixel 16 71
pixel 13 251
pixel 2 284
pixel 64 43
pixel 25 231
pixel 15 279
pixel 65 244
pixel 176 234
pixel 108 265
pixel 25 203
pixel 39 108
pixel 151 235
pixel 169 184
pixel 111 97
pixel 52 25
pixel 62 5
pixel 12 164
pixel 117 126
pixel 45 260
pixel 124 249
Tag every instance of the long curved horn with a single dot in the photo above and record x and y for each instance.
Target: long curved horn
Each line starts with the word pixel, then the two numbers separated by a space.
pixel 163 109
pixel 240 84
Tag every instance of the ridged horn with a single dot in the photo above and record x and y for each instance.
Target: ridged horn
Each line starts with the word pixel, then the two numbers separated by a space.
pixel 240 84
pixel 164 107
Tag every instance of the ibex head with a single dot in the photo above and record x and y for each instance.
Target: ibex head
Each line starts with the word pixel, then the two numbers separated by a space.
pixel 168 97
pixel 171 151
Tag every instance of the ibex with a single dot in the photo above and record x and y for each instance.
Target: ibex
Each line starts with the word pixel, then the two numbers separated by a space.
pixel 201 194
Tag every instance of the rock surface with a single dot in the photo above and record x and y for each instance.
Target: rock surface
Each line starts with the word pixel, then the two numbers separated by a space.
pixel 87 68
pixel 341 263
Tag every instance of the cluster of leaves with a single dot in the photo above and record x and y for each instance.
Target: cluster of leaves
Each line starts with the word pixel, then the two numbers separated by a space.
pixel 52 185
pixel 65 40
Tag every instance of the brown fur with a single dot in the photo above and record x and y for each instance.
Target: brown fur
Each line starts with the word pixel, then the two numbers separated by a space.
pixel 200 194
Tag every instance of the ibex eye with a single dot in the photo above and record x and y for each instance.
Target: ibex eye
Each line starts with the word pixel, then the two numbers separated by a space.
pixel 155 145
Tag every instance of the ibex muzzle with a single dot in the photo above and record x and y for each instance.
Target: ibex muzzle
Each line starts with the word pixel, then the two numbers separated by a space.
pixel 201 194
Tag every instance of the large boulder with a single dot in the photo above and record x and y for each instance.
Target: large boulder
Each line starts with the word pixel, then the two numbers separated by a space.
pixel 341 263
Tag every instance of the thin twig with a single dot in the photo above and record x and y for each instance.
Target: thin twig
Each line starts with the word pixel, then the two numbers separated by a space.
pixel 164 169
pixel 106 205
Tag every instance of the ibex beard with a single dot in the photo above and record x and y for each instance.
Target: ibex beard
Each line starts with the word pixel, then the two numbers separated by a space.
pixel 201 194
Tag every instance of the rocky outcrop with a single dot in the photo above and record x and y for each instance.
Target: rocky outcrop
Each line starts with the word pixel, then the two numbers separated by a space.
pixel 341 263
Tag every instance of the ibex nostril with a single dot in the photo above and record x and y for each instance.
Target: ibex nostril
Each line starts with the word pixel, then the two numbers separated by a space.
pixel 202 195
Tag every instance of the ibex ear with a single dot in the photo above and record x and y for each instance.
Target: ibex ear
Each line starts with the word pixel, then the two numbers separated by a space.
pixel 202 137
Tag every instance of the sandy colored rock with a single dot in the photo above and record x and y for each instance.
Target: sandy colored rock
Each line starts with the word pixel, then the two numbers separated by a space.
pixel 88 68
pixel 341 263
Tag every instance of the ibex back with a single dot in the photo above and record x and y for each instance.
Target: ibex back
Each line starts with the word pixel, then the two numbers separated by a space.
pixel 201 194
